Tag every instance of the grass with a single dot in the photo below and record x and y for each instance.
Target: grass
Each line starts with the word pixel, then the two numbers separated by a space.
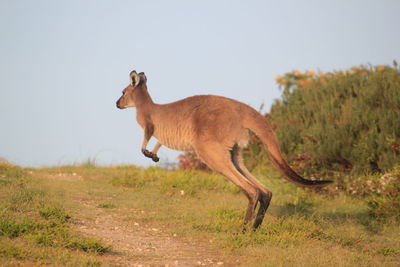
pixel 36 228
pixel 302 227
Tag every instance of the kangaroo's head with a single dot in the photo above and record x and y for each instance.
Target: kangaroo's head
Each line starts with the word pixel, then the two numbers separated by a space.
pixel 130 94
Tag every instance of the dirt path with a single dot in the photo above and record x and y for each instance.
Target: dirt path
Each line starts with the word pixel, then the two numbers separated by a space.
pixel 134 244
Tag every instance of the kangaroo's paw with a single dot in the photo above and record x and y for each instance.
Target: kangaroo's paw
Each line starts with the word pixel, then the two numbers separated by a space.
pixel 150 155
pixel 155 158
pixel 147 153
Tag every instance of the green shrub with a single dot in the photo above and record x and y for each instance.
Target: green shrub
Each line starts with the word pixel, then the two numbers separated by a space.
pixel 342 120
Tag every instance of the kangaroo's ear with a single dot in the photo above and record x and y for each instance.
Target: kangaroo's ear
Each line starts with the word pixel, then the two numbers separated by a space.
pixel 135 78
pixel 143 77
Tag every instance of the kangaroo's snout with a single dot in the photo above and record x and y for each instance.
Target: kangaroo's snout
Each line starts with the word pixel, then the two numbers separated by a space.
pixel 119 105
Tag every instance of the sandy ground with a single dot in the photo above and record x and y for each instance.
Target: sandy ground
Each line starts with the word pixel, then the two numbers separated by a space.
pixel 134 244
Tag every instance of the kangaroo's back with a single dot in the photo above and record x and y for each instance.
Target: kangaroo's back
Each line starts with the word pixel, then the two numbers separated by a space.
pixel 179 124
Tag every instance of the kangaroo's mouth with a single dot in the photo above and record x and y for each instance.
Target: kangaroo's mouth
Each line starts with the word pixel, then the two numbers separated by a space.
pixel 119 105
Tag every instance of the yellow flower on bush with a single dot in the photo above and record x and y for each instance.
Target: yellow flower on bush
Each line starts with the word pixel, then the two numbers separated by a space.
pixel 297 73
pixel 380 68
pixel 354 69
pixel 301 83
pixel 278 79
pixel 311 73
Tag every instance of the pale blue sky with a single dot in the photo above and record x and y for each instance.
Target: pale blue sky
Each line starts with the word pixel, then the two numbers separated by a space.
pixel 63 64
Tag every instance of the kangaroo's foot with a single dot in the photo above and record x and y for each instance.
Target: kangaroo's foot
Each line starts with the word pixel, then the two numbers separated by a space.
pixel 151 155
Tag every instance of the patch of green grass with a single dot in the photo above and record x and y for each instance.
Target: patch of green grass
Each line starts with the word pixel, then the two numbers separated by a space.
pixel 281 232
pixel 92 245
pixel 388 251
pixel 134 177
pixel 106 205
pixel 55 213
pixel 189 182
pixel 226 220
pixel 11 228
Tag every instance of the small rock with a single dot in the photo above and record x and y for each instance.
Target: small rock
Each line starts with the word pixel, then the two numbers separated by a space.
pixel 220 263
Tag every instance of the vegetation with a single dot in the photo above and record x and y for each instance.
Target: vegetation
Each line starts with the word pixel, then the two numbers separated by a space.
pixel 341 120
pixel 302 227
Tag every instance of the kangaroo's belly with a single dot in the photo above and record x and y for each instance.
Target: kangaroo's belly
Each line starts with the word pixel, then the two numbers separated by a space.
pixel 175 138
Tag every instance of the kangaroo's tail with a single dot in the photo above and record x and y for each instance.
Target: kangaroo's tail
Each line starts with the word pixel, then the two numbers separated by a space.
pixel 263 130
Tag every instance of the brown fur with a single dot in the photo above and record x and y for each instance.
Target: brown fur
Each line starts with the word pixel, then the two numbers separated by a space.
pixel 216 128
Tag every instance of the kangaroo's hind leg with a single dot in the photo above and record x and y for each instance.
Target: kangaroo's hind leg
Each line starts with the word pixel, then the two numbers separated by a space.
pixel 218 158
pixel 265 195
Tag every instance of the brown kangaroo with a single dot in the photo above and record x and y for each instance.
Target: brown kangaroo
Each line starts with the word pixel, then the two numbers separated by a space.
pixel 216 128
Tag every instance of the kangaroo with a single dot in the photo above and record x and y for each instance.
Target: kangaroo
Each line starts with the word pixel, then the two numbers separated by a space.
pixel 217 129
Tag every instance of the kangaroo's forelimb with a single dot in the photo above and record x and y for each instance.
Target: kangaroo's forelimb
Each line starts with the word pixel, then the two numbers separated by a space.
pixel 153 153
pixel 148 133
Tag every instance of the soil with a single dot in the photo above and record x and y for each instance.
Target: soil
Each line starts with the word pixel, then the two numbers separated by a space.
pixel 135 244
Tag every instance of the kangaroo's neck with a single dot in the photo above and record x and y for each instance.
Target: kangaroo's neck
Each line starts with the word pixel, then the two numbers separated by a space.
pixel 143 99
